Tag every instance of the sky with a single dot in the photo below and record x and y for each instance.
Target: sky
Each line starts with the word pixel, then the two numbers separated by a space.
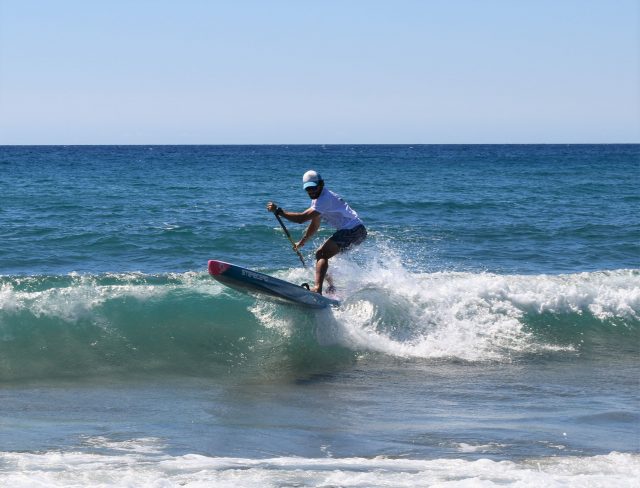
pixel 319 72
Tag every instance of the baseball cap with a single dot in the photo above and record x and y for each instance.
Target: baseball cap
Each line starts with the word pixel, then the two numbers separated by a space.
pixel 311 178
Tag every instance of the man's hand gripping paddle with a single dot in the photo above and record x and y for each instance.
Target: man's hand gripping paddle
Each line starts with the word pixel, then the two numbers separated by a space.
pixel 290 239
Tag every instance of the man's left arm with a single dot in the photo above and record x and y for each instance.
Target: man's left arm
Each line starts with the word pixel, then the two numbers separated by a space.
pixel 297 217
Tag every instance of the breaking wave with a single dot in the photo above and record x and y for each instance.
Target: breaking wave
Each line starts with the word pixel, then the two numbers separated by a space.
pixel 186 323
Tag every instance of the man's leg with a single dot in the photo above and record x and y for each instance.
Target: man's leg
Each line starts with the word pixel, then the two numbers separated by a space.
pixel 326 251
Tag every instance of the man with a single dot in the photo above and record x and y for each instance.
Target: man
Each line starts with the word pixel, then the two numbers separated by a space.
pixel 329 207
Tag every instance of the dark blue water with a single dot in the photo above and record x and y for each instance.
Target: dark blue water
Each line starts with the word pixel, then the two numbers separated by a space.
pixel 493 315
pixel 522 209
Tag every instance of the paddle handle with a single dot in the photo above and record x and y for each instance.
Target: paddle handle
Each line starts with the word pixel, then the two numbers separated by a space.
pixel 290 238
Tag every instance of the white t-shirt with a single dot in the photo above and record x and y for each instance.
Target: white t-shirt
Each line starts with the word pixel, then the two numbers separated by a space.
pixel 335 211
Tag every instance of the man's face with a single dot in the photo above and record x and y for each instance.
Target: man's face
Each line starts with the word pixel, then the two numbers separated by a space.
pixel 314 191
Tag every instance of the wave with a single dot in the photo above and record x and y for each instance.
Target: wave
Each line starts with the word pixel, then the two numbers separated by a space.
pixel 485 316
pixel 186 323
pixel 141 462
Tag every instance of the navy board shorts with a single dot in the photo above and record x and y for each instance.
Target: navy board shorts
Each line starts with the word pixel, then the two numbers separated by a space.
pixel 346 238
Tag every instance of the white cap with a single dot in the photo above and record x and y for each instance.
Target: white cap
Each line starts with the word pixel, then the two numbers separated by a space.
pixel 311 178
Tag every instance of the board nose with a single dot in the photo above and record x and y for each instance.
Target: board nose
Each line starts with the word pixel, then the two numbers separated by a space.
pixel 217 267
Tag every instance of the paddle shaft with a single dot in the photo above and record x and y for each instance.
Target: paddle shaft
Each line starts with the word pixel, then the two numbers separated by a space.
pixel 290 239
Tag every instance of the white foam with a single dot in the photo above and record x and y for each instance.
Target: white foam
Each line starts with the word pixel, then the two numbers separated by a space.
pixel 491 447
pixel 69 469
pixel 470 316
pixel 81 294
pixel 268 315
pixel 142 445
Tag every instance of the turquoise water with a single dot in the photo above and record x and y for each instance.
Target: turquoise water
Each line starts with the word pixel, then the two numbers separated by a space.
pixel 489 332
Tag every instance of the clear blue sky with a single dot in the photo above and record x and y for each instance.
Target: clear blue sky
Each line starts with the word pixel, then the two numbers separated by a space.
pixel 325 71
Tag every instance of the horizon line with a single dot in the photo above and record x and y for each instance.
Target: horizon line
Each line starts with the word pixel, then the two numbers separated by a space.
pixel 337 144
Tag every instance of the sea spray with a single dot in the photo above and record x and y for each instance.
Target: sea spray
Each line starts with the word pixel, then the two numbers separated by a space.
pixel 477 316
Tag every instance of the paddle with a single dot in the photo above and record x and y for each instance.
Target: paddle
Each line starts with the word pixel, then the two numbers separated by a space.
pixel 290 239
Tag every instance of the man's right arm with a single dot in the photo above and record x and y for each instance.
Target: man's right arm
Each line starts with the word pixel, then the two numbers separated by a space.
pixel 311 230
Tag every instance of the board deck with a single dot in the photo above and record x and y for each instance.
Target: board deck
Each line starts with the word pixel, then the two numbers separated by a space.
pixel 246 280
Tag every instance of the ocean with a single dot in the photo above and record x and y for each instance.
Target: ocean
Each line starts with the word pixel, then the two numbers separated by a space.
pixel 488 335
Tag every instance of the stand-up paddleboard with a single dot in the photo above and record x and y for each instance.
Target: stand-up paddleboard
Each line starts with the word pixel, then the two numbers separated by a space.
pixel 245 280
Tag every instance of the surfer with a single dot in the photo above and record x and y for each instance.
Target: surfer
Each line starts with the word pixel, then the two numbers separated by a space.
pixel 328 206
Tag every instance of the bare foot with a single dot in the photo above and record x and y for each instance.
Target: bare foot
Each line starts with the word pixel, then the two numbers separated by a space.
pixel 316 289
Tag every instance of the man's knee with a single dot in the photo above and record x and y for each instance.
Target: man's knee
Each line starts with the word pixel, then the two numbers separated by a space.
pixel 327 250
